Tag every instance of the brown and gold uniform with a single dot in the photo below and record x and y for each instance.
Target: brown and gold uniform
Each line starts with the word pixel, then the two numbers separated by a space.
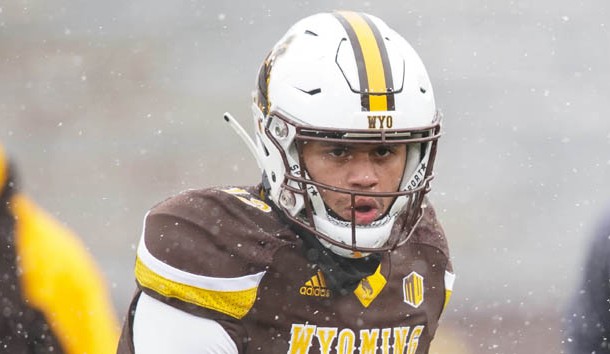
pixel 227 255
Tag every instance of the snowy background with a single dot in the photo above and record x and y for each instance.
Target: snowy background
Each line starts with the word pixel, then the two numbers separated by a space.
pixel 111 106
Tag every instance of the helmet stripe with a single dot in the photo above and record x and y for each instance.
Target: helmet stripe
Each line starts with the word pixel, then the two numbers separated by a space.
pixel 372 60
pixel 387 69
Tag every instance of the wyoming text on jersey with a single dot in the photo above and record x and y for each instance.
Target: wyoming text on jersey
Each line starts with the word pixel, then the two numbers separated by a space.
pixel 397 340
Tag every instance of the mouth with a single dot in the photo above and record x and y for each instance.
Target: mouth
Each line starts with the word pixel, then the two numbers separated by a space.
pixel 366 210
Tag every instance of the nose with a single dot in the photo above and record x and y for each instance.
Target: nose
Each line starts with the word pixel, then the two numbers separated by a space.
pixel 362 172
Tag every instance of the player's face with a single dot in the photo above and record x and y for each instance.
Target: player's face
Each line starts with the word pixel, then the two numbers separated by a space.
pixel 359 167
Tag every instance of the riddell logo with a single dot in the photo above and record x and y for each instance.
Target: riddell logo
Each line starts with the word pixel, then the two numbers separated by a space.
pixel 316 286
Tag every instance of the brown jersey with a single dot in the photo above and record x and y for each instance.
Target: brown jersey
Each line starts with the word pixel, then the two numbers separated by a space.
pixel 227 255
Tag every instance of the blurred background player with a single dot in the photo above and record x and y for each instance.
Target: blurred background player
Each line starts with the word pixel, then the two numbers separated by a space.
pixel 52 296
pixel 588 317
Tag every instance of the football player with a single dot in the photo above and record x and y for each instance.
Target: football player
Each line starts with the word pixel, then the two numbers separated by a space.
pixel 337 250
pixel 52 294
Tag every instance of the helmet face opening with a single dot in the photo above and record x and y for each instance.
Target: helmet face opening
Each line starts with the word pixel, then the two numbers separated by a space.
pixel 346 78
pixel 345 234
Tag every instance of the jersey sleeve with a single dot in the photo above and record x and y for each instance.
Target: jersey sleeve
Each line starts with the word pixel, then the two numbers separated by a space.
pixel 206 252
pixel 170 275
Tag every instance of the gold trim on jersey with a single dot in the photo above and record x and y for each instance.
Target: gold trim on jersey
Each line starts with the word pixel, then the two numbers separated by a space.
pixel 247 198
pixel 370 287
pixel 233 303
pixel 449 280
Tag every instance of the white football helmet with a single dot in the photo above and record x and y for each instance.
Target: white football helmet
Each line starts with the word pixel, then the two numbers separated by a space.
pixel 344 77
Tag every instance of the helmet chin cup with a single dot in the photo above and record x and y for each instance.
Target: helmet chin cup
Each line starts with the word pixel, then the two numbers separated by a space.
pixel 352 241
pixel 342 251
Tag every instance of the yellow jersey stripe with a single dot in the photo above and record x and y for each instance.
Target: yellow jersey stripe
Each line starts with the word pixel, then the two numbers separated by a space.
pixel 233 303
pixel 447 298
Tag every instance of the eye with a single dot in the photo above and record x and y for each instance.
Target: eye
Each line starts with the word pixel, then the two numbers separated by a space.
pixel 338 151
pixel 383 151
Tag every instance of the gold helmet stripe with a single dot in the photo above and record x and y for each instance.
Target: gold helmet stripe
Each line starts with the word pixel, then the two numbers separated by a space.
pixel 372 59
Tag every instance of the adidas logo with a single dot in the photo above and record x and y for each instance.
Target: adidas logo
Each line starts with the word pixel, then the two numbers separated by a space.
pixel 316 286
